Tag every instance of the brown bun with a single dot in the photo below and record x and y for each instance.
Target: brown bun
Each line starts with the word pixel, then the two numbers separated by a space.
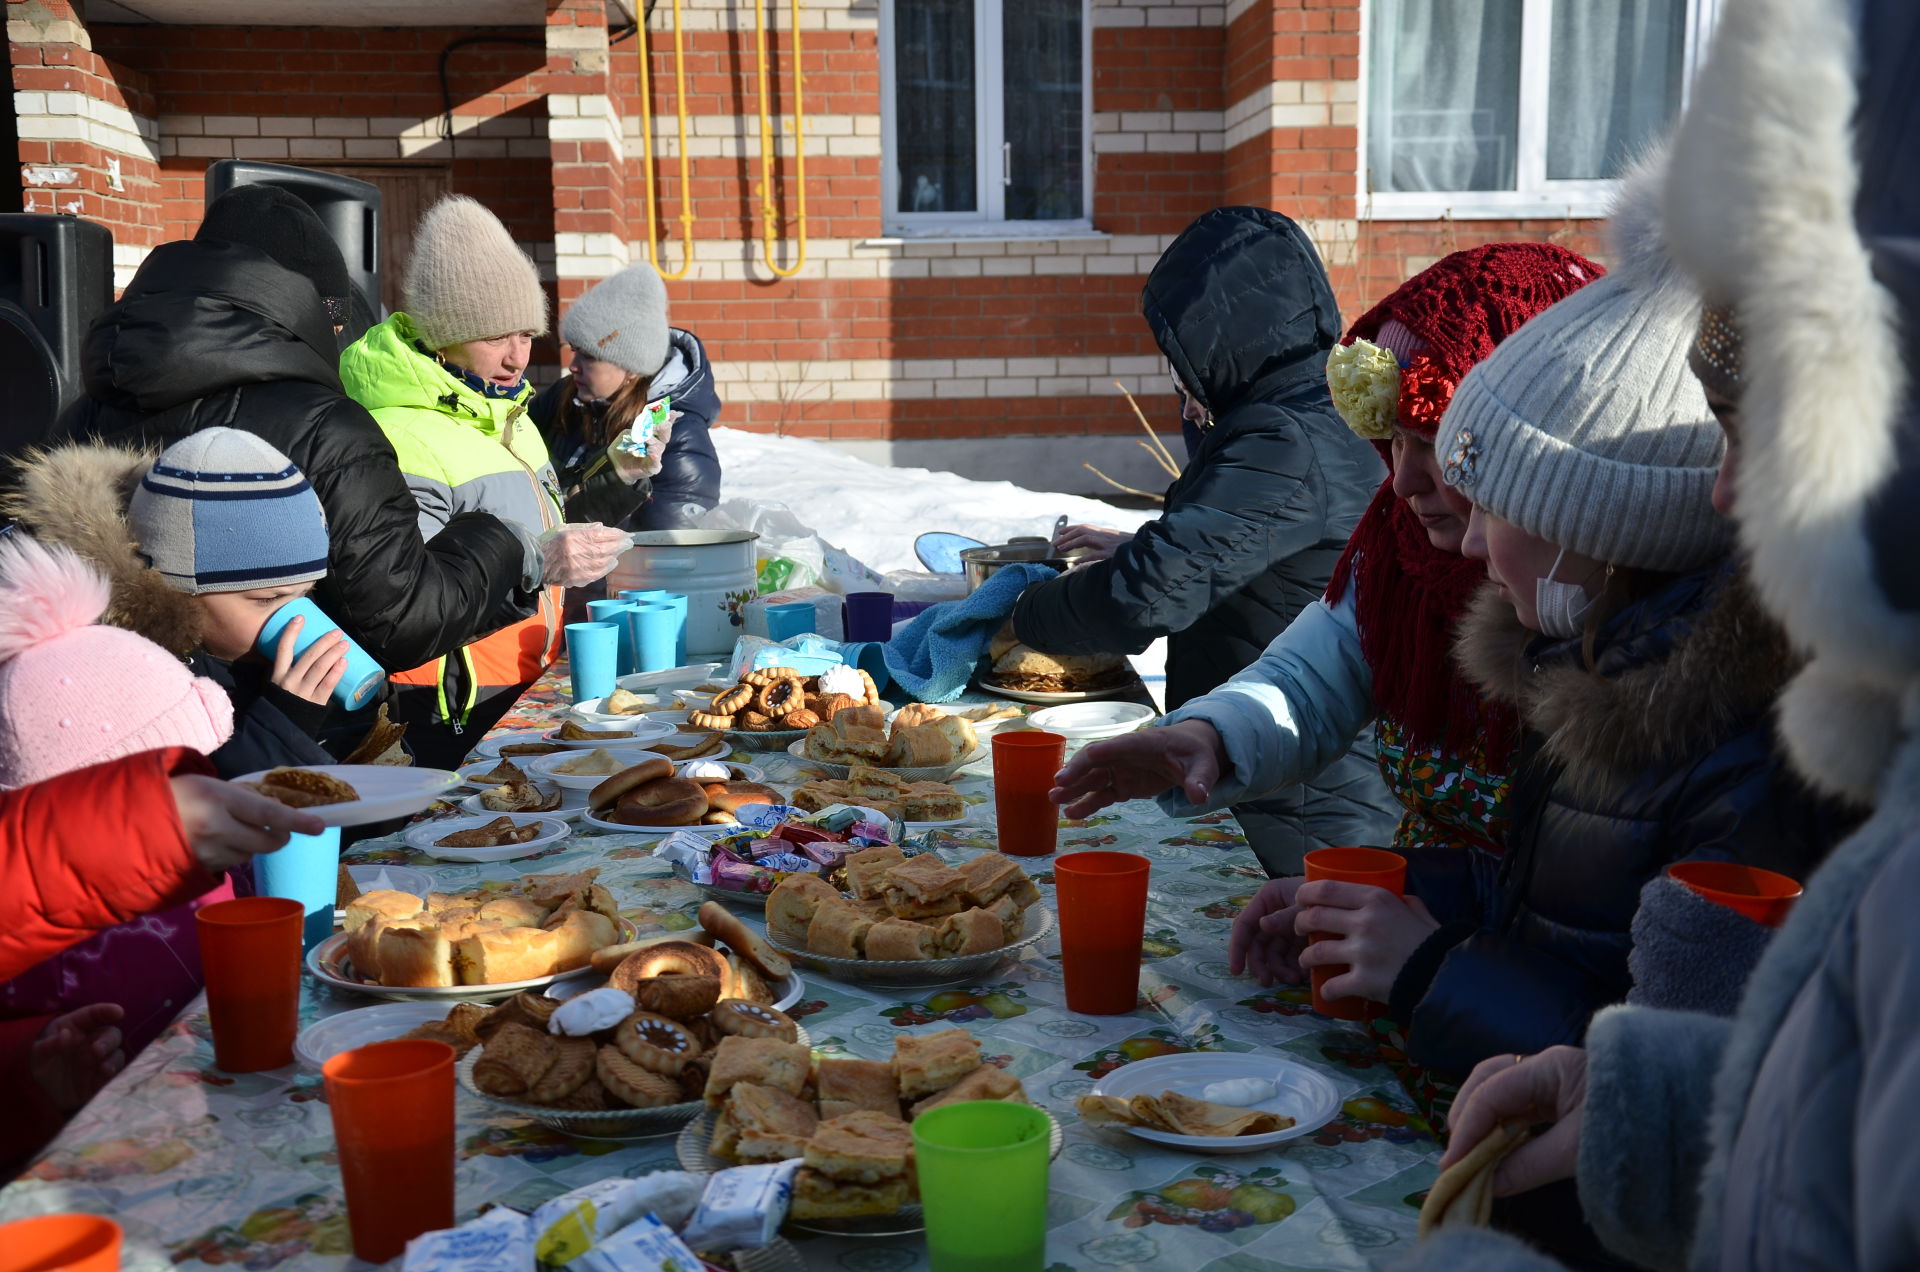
pixel 730 796
pixel 678 979
pixel 665 801
pixel 608 792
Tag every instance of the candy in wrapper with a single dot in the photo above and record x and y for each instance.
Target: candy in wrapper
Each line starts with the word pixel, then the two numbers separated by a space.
pixel 743 1207
pixel 801 833
pixel 574 1222
pixel 787 863
pixel 828 856
pixel 764 817
pixel 685 851
pixel 744 876
pixel 499 1241
pixel 646 1245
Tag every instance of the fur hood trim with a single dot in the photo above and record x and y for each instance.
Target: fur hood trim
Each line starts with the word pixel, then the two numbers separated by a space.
pixel 1719 675
pixel 77 496
pixel 1760 209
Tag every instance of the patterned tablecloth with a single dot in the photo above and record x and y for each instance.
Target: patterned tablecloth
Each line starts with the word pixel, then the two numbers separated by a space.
pixel 203 1168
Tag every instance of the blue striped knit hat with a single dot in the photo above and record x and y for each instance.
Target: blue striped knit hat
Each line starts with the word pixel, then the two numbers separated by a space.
pixel 222 511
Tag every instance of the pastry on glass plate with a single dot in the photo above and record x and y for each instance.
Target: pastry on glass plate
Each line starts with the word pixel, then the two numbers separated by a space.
pixel 926 1063
pixel 853 1086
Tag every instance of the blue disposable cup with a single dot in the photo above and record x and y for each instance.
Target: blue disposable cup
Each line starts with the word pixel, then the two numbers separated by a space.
pixel 868 616
pixel 615 612
pixel 363 677
pixel 784 622
pixel 656 634
pixel 644 594
pixel 593 655
pixel 307 870
pixel 660 596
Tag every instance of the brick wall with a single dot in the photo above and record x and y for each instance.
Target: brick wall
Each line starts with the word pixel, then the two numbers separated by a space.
pixel 879 341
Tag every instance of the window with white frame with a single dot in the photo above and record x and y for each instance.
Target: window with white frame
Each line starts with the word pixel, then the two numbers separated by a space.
pixel 1519 107
pixel 985 115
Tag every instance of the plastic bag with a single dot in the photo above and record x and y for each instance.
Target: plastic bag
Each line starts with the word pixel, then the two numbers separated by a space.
pixel 789 553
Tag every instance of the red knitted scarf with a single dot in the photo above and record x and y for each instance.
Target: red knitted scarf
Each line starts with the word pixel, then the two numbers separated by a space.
pixel 1411 593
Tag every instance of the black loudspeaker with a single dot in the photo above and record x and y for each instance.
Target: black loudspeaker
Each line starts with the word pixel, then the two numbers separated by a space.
pixel 56 275
pixel 348 207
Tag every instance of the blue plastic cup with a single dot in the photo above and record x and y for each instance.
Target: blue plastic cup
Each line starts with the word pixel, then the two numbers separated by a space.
pixel 656 629
pixel 868 616
pixel 593 655
pixel 307 870
pixel 363 677
pixel 784 622
pixel 615 612
pixel 645 594
pixel 660 596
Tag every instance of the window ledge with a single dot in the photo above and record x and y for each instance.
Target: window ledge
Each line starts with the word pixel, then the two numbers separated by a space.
pixel 985 234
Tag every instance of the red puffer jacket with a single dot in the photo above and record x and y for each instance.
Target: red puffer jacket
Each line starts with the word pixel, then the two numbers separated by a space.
pixel 80 853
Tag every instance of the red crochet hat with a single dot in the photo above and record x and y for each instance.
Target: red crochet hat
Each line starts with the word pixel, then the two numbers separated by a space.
pixel 1445 319
pixel 1432 330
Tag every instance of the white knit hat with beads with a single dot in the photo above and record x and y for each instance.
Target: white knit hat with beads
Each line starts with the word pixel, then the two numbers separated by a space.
pixel 468 279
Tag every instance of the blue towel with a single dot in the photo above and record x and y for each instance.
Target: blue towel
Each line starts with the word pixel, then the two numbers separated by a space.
pixel 933 656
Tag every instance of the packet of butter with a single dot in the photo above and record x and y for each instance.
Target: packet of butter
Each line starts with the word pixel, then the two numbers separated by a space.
pixel 569 1225
pixel 499 1241
pixel 742 1208
pixel 645 1245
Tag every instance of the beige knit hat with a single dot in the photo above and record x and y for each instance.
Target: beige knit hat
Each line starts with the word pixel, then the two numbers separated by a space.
pixel 468 280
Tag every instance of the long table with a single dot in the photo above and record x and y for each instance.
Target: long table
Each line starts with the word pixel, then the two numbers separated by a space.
pixel 207 1169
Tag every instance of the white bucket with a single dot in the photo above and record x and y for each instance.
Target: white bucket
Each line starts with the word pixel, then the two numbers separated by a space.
pixel 714 569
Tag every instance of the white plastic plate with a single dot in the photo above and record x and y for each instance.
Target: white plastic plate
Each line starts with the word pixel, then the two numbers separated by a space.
pixel 386 791
pixel 1305 1096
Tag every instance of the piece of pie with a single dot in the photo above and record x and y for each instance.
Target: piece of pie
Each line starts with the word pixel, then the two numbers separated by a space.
pixel 988 1082
pixel 924 1064
pixel 853 1086
pixel 838 930
pixel 924 887
pixel 785 1066
pixel 769 1125
pixel 867 870
pixel 860 1148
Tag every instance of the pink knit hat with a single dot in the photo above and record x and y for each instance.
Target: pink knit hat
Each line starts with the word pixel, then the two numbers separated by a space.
pixel 74 692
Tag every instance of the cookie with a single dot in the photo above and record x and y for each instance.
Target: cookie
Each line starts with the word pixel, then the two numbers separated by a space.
pixel 632 1085
pixel 733 700
pixel 656 1043
pixel 751 1020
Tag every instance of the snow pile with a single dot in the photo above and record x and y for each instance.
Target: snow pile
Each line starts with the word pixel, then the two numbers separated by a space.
pixel 874 513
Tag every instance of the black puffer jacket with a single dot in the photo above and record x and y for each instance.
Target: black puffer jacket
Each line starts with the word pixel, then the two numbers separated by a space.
pixel 1240 305
pixel 1663 753
pixel 688 482
pixel 214 333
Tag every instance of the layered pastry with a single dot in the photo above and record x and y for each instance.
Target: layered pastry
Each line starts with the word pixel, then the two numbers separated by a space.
pixel 544 925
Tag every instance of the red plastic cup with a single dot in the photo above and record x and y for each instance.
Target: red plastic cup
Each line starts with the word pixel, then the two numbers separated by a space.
pixel 392 1105
pixel 1761 895
pixel 60 1243
pixel 1102 897
pixel 1375 867
pixel 250 955
pixel 1024 762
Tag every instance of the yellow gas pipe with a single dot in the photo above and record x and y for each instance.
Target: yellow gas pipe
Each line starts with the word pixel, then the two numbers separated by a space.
pixel 769 214
pixel 646 145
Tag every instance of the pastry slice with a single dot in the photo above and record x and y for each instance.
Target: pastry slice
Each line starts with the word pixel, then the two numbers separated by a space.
pixel 769 1124
pixel 494 834
pixel 988 1082
pixel 929 1063
pixel 932 801
pixel 922 747
pixel 900 941
pixel 867 782
pixel 815 1196
pixel 414 953
pixel 866 870
pixel 861 717
pixel 1012 916
pixel 974 931
pixel 838 930
pixel 573 731
pixel 791 906
pixel 785 1066
pixel 855 744
pixel 860 1148
pixel 989 877
pixel 854 1086
pixel 505 773
pixel 383 903
pixel 924 887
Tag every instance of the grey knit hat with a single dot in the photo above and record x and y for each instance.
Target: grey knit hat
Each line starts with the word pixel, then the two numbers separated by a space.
pixel 468 279
pixel 622 320
pixel 1586 427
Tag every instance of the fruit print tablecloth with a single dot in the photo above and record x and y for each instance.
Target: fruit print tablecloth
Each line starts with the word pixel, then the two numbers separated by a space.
pixel 206 1169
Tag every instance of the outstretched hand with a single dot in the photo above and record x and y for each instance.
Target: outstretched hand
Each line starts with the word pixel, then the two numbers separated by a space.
pixel 77 1054
pixel 1263 941
pixel 1186 756
pixel 226 824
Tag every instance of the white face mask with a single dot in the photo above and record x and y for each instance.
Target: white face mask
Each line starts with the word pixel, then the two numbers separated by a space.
pixel 1559 607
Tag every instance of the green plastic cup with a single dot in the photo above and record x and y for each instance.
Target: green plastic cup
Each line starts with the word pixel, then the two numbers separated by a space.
pixel 977 1159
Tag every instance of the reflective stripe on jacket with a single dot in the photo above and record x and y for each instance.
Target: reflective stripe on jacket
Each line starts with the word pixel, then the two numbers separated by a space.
pixel 462 451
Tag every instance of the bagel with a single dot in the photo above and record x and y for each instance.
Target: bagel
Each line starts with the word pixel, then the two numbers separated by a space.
pixel 668 958
pixel 605 960
pixel 677 997
pixel 608 792
pixel 665 801
pixel 728 797
pixel 655 1043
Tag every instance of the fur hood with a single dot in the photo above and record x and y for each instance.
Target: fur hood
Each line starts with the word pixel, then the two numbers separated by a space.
pixel 77 496
pixel 1689 678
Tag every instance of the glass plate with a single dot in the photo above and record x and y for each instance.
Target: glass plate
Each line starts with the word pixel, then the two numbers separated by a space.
pixel 596 1123
pixel 918 974
pixel 691 1148
pixel 929 773
pixel 772 740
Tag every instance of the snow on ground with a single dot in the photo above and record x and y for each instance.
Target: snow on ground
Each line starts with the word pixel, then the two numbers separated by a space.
pixel 875 513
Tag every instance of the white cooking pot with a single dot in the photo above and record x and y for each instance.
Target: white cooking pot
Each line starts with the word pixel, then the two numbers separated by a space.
pixel 714 569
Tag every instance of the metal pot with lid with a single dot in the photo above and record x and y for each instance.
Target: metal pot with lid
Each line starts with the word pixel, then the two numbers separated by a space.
pixel 980 564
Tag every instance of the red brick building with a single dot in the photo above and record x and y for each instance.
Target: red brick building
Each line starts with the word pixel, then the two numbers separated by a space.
pixel 965 195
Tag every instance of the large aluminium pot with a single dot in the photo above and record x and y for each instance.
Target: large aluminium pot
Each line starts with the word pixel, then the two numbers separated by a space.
pixel 981 564
pixel 713 569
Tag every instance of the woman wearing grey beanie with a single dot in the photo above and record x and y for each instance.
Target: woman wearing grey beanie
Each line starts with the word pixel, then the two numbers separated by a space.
pixel 1620 627
pixel 627 428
